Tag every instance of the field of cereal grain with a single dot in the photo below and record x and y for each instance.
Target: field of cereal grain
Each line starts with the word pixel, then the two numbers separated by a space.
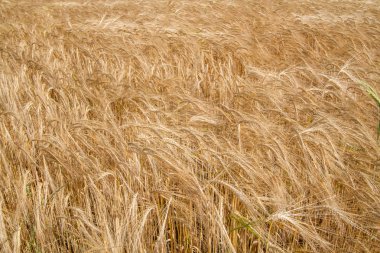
pixel 189 126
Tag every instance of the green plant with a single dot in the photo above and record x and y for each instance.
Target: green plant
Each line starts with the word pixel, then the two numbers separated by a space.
pixel 245 223
pixel 372 93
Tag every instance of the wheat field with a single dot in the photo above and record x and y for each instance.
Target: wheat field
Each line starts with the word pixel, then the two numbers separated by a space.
pixel 189 126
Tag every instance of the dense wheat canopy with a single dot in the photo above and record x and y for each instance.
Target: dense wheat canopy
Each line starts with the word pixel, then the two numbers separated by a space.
pixel 189 126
